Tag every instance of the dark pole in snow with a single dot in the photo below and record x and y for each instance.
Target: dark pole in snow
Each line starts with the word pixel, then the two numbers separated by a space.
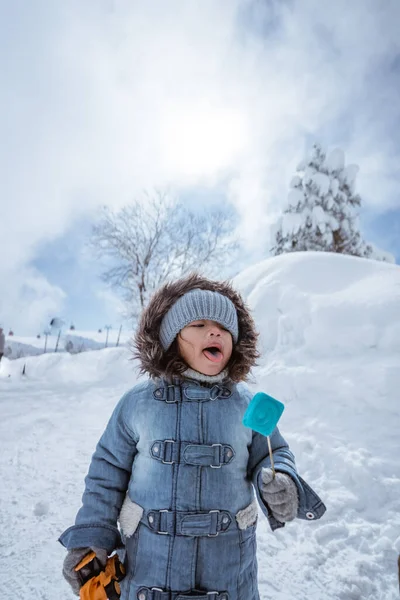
pixel 58 339
pixel 119 333
pixel 107 327
pixel 398 567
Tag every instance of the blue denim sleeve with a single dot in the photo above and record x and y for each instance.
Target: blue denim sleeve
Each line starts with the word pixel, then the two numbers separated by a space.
pixel 283 460
pixel 105 484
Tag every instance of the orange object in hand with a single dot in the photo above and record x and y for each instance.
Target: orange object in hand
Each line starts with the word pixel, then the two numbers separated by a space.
pixel 104 584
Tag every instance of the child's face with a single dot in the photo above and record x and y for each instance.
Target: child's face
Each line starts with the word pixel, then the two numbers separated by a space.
pixel 205 346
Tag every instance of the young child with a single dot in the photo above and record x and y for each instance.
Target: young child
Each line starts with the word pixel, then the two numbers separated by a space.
pixel 175 465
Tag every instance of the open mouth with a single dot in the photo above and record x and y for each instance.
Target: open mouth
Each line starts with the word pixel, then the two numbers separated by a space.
pixel 213 353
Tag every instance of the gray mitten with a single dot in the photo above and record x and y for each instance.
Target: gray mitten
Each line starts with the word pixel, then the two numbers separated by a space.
pixel 73 558
pixel 280 493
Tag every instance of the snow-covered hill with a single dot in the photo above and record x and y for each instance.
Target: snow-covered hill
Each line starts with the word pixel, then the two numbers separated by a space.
pixel 330 331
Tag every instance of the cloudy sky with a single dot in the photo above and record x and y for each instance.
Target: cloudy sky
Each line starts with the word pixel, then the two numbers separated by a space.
pixel 100 99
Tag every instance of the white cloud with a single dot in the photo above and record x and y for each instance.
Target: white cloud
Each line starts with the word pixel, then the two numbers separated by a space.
pixel 102 99
pixel 28 301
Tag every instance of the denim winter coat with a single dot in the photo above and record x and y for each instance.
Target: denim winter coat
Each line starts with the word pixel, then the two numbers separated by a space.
pixel 183 456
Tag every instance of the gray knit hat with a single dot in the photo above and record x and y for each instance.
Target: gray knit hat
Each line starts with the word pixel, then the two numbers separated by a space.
pixel 197 305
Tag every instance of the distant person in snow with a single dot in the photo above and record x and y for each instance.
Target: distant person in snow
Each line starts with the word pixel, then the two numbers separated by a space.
pixel 2 343
pixel 176 468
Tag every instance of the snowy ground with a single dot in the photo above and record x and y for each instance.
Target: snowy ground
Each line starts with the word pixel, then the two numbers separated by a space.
pixel 331 342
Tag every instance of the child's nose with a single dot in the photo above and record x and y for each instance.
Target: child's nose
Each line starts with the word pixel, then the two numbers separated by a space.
pixel 214 330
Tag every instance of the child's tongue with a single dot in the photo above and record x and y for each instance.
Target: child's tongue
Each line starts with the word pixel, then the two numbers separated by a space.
pixel 215 356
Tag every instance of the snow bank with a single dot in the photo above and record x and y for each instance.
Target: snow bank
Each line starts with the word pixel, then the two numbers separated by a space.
pixel 330 335
pixel 64 368
pixel 317 304
pixel 16 349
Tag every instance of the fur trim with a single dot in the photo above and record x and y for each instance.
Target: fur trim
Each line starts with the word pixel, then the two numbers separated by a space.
pixel 247 516
pixel 129 517
pixel 147 346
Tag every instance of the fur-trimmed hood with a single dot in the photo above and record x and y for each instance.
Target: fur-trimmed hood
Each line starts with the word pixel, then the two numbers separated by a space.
pixel 147 346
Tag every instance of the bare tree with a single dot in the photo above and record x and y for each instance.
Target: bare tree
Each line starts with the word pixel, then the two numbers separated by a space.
pixel 155 240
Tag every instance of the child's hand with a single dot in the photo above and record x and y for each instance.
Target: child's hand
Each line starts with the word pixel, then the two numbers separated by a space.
pixel 73 558
pixel 280 493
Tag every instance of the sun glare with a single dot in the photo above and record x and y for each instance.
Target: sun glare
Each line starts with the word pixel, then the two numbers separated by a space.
pixel 202 141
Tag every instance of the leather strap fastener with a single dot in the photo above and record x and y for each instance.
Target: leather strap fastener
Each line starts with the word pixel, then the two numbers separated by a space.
pixel 200 455
pixel 172 393
pixel 201 524
pixel 155 593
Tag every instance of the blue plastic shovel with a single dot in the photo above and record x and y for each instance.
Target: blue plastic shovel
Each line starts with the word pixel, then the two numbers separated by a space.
pixel 262 415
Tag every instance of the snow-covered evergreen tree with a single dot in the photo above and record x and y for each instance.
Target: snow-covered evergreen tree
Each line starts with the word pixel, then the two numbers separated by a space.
pixel 321 212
